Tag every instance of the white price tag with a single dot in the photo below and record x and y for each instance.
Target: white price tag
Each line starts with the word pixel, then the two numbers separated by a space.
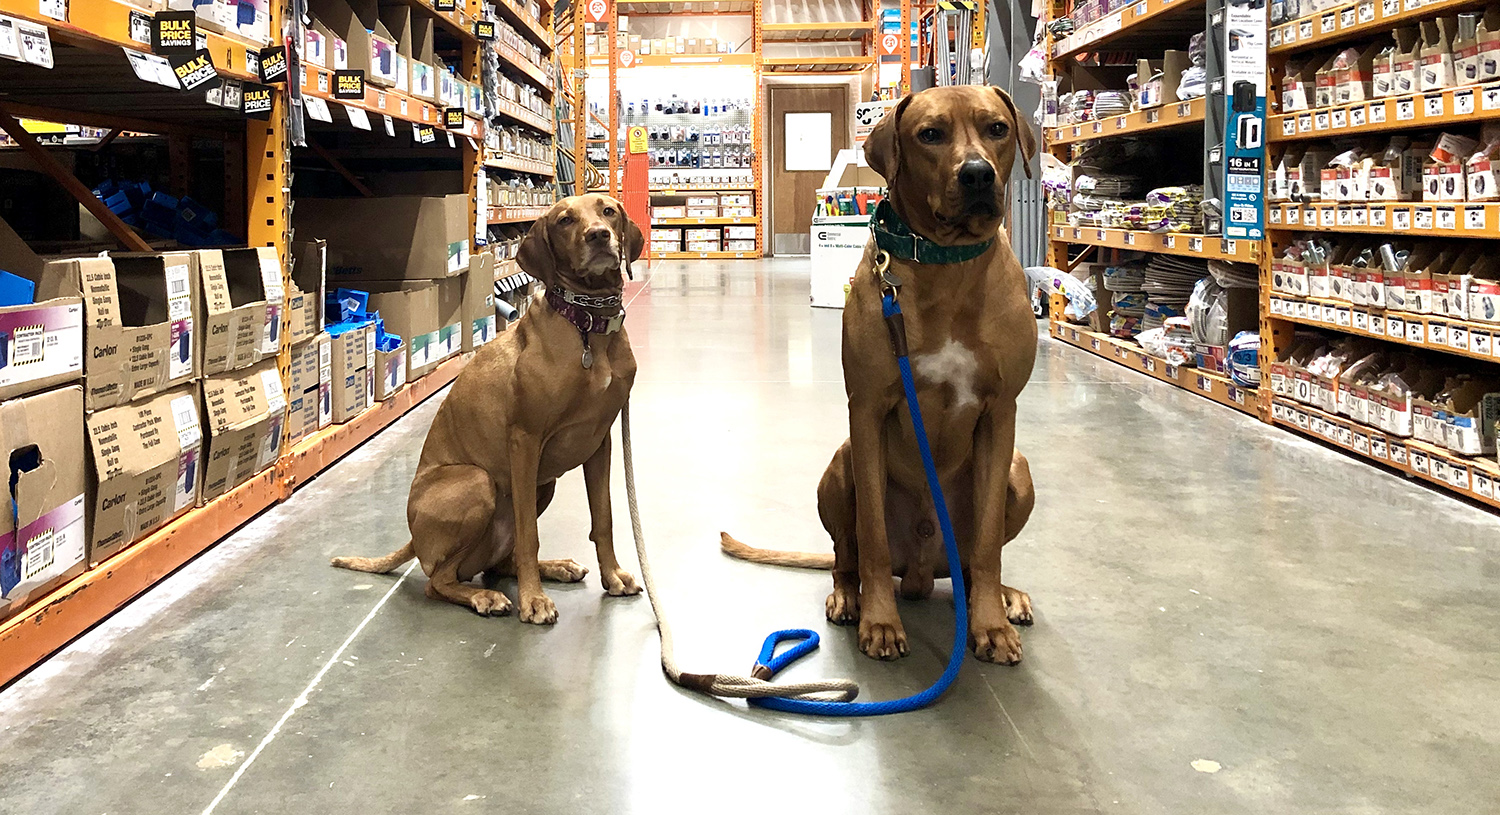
pixel 1366 12
pixel 1195 244
pixel 1362 321
pixel 1170 241
pixel 1479 342
pixel 56 9
pixel 1377 447
pixel 1129 238
pixel 1422 219
pixel 1275 38
pixel 1474 217
pixel 1357 116
pixel 1293 215
pixel 1328 23
pixel 1406 110
pixel 1288 125
pixel 185 421
pixel 1304 30
pixel 1320 120
pixel 1346 18
pixel 1463 102
pixel 1437 333
pixel 36 44
pixel 1361 216
pixel 1274 214
pixel 1395 327
pixel 1490 97
pixel 390 126
pixel 1304 123
pixel 1339 119
pixel 1120 123
pixel 1343 317
pixel 1377 216
pixel 1414 333
pixel 1483 485
pixel 1432 105
pixel 1327 216
pixel 1401 219
pixel 1447 218
pixel 358 117
pixel 1458 337
pixel 1377 113
pixel 270 382
pixel 1345 216
pixel 1390 7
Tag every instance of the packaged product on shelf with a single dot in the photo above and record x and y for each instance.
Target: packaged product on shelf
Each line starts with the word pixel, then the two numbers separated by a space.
pixel 427 314
pixel 1284 175
pixel 147 467
pixel 739 245
pixel 1310 163
pixel 396 17
pixel 43 532
pixel 479 302
pixel 1382 72
pixel 305 295
pixel 1484 292
pixel 1354 387
pixel 663 212
pixel 408 237
pixel 1393 262
pixel 245 412
pixel 1317 266
pixel 423 74
pixel 1325 83
pixel 1354 73
pixel 1340 274
pixel 1466 49
pixel 1396 174
pixel 1436 55
pixel 41 321
pixel 1450 285
pixel 1443 174
pixel 1489 45
pixel 1471 407
pixel 739 233
pixel 140 313
pixel 309 388
pixel 1406 63
pixel 390 365
pixel 351 352
pixel 349 32
pixel 241 300
pixel 1369 279
pixel 1288 274
pixel 1417 296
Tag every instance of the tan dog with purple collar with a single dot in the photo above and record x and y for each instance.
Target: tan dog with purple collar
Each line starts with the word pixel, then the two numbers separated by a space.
pixel 946 154
pixel 534 404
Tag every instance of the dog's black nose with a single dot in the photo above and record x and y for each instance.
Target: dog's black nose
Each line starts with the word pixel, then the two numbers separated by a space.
pixel 598 234
pixel 976 174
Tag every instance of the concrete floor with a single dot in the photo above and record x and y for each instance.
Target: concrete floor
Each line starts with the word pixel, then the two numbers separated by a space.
pixel 1207 589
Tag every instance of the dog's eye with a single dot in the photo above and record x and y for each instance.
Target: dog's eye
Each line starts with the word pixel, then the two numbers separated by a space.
pixel 565 220
pixel 999 129
pixel 609 211
pixel 930 135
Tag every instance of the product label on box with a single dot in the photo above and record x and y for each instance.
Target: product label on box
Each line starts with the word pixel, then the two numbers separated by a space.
pixel 44 549
pixel 36 343
pixel 394 375
pixel 484 330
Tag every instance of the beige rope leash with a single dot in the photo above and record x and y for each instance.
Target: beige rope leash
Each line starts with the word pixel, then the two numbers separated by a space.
pixel 725 685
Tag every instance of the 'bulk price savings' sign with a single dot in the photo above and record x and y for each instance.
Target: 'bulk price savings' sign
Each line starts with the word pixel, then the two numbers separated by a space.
pixel 348 84
pixel 173 32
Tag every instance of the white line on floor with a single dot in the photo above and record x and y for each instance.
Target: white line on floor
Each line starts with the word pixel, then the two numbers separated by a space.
pixel 302 699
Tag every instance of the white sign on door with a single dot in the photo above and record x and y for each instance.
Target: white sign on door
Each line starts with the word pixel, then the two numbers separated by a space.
pixel 809 141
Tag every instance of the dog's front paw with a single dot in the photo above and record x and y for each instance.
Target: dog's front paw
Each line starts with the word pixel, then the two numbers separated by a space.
pixel 1017 605
pixel 995 642
pixel 842 605
pixel 881 640
pixel 539 610
pixel 620 583
pixel 490 603
pixel 563 571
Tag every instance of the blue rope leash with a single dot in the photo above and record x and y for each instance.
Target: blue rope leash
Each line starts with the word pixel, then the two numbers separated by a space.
pixel 807 641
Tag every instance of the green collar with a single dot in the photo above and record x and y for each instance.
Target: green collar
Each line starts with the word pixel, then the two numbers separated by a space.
pixel 894 236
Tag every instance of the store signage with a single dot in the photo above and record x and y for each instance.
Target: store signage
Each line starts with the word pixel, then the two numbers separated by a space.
pixel 174 32
pixel 423 134
pixel 453 118
pixel 598 11
pixel 257 100
pixel 638 139
pixel 890 43
pixel 140 27
pixel 348 84
pixel 447 5
pixel 1244 43
pixel 484 30
pixel 627 58
pixel 273 64
pixel 194 69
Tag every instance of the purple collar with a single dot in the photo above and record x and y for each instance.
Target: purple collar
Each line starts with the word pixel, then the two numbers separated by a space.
pixel 585 321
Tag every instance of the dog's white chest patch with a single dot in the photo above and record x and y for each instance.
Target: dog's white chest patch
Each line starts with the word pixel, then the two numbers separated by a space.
pixel 953 364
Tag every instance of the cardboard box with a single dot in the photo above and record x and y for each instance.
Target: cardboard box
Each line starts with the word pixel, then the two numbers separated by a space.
pixel 1406 74
pixel 309 405
pixel 427 315
pixel 396 18
pixel 423 75
pixel 147 467
pixel 479 302
pixel 304 298
pixel 408 237
pixel 139 312
pixel 352 378
pixel 1489 45
pixel 240 300
pixel 41 343
pixel 658 213
pixel 43 534
pixel 1436 54
pixel 341 23
pixel 390 371
pixel 245 412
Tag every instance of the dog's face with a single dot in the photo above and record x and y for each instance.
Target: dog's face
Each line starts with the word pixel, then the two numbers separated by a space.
pixel 583 243
pixel 946 154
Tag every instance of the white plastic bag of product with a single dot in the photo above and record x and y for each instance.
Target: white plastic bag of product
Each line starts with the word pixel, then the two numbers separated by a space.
pixel 1081 302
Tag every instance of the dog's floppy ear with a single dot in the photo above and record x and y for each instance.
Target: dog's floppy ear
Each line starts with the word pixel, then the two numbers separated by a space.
pixel 634 242
pixel 883 145
pixel 535 255
pixel 1025 138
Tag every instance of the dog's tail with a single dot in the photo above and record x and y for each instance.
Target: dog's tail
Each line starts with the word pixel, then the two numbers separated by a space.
pixel 377 565
pixel 772 557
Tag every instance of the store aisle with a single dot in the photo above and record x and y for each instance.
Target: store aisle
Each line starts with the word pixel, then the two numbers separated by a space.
pixel 1320 631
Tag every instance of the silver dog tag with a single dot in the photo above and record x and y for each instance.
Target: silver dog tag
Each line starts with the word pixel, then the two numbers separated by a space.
pixel 588 356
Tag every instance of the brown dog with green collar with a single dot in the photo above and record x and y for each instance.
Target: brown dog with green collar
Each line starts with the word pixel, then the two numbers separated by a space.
pixel 534 404
pixel 946 154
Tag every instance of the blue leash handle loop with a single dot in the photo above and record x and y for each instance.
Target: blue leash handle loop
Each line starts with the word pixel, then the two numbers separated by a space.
pixel 807 641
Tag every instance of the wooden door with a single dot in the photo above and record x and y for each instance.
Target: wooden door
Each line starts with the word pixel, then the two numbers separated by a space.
pixel 793 192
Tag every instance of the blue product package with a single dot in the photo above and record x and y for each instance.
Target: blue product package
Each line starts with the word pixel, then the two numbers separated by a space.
pixel 16 290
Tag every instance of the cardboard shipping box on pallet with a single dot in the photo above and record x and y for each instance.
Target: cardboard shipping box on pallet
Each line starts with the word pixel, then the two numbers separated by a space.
pixel 352 376
pixel 43 533
pixel 479 302
pixel 390 371
pixel 309 388
pixel 147 467
pixel 139 322
pixel 41 342
pixel 245 412
pixel 427 314
pixel 404 237
pixel 241 300
pixel 304 298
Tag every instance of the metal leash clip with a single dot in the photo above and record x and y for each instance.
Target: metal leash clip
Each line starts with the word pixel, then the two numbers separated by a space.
pixel 890 284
